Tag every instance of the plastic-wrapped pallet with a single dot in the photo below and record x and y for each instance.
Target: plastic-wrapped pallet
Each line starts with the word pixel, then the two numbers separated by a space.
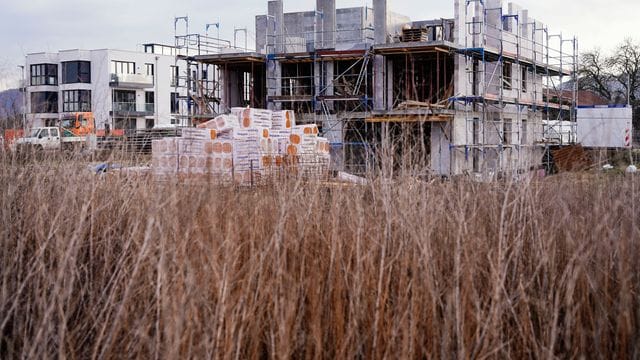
pixel 164 156
pixel 255 118
pixel 199 134
pixel 285 119
pixel 223 124
pixel 309 129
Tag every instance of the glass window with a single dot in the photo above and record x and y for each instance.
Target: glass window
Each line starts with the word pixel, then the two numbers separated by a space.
pixel 175 71
pixel 174 103
pixel 149 68
pixel 123 67
pixel 124 100
pixel 507 75
pixel 76 101
pixel 44 102
pixel 76 72
pixel 44 74
pixel 44 133
pixel 54 132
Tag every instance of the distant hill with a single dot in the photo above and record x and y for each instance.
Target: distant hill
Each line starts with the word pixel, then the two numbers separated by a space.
pixel 10 102
pixel 10 107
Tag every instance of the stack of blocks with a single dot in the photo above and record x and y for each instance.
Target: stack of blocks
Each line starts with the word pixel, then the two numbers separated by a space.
pixel 245 146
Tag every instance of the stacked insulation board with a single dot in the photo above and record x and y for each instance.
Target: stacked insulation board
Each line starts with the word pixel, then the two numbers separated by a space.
pixel 245 147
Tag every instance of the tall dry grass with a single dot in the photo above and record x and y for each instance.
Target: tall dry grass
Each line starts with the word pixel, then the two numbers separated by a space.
pixel 116 267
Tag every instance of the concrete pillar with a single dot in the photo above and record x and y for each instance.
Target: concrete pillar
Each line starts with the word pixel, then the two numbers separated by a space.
pixel 274 86
pixel 275 26
pixel 326 32
pixel 379 89
pixel 380 21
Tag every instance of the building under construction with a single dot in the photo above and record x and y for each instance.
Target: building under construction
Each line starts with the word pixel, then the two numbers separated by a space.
pixel 476 94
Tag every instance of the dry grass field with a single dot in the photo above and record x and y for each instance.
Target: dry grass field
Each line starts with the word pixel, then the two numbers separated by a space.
pixel 116 267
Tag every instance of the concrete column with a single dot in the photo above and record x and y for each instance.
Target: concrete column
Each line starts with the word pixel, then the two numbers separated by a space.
pixel 274 78
pixel 326 32
pixel 390 100
pixel 380 21
pixel 379 89
pixel 275 26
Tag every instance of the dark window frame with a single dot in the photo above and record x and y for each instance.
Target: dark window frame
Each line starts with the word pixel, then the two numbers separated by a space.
pixel 175 103
pixel 76 72
pixel 76 101
pixel 44 102
pixel 507 75
pixel 43 74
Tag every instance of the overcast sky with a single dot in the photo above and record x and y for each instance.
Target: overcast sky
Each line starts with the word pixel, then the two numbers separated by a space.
pixel 29 26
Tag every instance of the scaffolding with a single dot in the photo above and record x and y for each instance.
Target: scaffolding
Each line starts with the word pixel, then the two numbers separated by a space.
pixel 324 85
pixel 515 81
pixel 198 86
pixel 495 93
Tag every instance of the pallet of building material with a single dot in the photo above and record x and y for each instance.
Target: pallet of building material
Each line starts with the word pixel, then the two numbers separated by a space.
pixel 199 134
pixel 284 119
pixel 165 146
pixel 415 35
pixel 256 118
pixel 222 124
pixel 309 129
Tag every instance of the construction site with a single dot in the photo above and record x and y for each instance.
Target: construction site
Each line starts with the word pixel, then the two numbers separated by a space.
pixel 477 94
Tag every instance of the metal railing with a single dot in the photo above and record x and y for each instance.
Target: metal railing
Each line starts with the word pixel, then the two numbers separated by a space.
pixel 131 107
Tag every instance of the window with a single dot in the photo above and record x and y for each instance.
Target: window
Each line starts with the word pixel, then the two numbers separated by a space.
pixel 124 100
pixel 246 93
pixel 149 123
pixel 76 72
pixel 44 74
pixel 205 74
pixel 476 141
pixel 507 75
pixel 123 67
pixel 51 122
pixel 175 71
pixel 76 101
pixel 124 123
pixel 524 79
pixel 44 133
pixel 54 132
pixel 44 102
pixel 507 131
pixel 174 103
pixel 524 139
pixel 149 101
pixel 149 69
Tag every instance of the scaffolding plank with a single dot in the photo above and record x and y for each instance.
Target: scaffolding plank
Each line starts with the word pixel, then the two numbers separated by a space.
pixel 409 118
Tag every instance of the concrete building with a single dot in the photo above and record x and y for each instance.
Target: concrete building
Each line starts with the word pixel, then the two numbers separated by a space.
pixel 466 95
pixel 123 89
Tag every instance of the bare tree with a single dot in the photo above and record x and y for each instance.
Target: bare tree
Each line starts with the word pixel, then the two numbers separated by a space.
pixel 615 77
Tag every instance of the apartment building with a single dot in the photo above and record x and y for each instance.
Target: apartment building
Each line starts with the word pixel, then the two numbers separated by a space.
pixel 123 89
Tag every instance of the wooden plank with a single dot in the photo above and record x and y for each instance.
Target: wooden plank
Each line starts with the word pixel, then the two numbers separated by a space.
pixel 409 118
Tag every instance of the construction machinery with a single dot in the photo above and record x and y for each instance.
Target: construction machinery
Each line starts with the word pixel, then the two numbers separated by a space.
pixel 73 133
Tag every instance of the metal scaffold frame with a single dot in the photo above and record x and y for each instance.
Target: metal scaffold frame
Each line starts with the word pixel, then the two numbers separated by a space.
pixel 504 59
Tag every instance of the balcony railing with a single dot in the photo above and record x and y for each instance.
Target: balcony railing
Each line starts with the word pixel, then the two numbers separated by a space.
pixel 132 80
pixel 132 109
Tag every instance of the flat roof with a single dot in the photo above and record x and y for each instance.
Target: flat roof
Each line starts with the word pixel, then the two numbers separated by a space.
pixel 219 59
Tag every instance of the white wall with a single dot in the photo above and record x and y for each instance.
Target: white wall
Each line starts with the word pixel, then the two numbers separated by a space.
pixel 100 87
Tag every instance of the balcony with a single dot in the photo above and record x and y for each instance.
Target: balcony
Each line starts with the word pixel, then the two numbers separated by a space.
pixel 132 110
pixel 131 81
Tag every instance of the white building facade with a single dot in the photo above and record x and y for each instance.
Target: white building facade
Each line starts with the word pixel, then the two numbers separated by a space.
pixel 123 89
